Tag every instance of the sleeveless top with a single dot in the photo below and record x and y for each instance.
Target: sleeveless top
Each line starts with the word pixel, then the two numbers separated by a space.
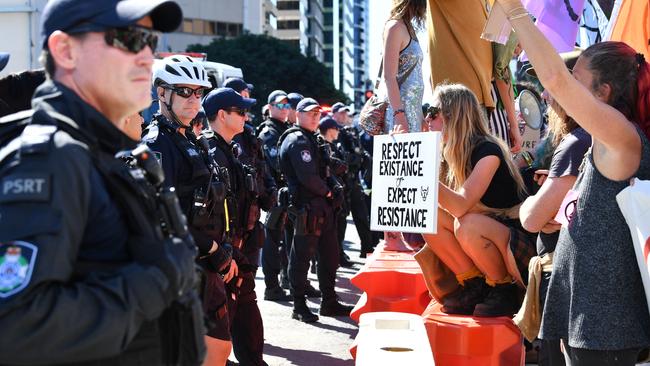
pixel 412 89
pixel 595 297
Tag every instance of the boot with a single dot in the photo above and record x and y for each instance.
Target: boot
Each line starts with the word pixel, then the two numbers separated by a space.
pixel 334 308
pixel 302 313
pixel 344 261
pixel 464 299
pixel 503 300
pixel 310 291
pixel 276 294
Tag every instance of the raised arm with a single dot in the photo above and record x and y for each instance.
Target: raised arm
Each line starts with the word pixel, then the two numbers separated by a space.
pixel 608 127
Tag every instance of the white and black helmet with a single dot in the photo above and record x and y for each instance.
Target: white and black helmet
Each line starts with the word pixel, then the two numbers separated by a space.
pixel 180 69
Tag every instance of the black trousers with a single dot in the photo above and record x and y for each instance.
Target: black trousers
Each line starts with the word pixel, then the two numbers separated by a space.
pixel 271 257
pixel 305 246
pixel 247 329
pixel 360 215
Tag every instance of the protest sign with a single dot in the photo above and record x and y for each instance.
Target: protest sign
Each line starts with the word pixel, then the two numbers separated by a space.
pixel 405 182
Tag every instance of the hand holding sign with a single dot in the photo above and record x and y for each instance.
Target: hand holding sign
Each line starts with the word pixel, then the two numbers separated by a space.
pixel 405 181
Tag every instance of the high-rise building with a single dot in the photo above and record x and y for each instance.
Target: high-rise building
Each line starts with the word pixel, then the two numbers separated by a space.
pixel 300 22
pixel 346 45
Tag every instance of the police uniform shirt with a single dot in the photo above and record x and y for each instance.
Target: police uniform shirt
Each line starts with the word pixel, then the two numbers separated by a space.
pixel 270 134
pixel 301 163
pixel 55 209
pixel 184 167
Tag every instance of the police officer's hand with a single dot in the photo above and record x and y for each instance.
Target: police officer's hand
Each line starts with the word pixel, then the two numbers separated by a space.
pixel 218 259
pixel 232 273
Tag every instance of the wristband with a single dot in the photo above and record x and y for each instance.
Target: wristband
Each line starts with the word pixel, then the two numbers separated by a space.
pixel 398 111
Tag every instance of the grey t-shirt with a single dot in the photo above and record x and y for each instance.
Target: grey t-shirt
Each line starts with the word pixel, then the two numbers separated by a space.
pixel 566 161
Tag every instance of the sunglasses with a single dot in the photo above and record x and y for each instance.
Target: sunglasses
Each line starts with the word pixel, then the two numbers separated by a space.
pixel 282 105
pixel 241 112
pixel 186 91
pixel 131 39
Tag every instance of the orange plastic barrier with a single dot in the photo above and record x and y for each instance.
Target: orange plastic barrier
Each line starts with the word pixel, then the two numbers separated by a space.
pixel 472 341
pixel 391 281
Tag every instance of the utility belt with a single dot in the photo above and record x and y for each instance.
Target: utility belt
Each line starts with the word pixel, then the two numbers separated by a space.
pixel 305 220
pixel 277 216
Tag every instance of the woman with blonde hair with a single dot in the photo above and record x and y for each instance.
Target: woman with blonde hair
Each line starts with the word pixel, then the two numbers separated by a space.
pixel 402 77
pixel 479 236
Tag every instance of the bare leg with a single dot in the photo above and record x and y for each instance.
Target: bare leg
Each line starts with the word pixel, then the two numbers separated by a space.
pixel 446 247
pixel 485 240
pixel 217 351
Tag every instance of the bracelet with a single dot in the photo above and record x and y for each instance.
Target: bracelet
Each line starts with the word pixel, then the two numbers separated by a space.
pixel 518 13
pixel 398 111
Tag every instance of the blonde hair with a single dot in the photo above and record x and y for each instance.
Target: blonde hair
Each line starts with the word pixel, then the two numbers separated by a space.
pixel 411 12
pixel 465 125
pixel 559 123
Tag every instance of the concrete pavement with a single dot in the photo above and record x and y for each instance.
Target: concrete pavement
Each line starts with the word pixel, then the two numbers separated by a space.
pixel 290 342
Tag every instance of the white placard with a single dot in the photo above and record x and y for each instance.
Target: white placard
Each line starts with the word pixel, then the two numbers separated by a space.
pixel 405 182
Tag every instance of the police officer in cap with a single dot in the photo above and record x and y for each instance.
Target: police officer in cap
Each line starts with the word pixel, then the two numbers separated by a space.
pixel 227 110
pixel 315 194
pixel 92 277
pixel 180 83
pixel 357 160
pixel 272 258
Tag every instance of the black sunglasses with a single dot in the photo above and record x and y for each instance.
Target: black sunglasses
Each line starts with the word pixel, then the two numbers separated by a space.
pixel 186 91
pixel 131 39
pixel 239 111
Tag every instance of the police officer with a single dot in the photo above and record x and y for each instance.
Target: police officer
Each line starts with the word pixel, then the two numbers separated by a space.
pixel 180 83
pixel 227 110
pixel 329 130
pixel 273 260
pixel 294 99
pixel 91 277
pixel 357 159
pixel 314 195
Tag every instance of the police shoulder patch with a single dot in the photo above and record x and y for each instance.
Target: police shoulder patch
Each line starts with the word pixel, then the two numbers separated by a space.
pixel 25 187
pixel 306 156
pixel 17 259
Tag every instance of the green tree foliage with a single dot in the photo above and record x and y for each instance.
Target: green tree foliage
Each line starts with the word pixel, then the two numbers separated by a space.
pixel 270 64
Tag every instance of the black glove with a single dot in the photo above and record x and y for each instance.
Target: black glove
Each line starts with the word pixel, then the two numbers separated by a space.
pixel 338 196
pixel 174 257
pixel 219 261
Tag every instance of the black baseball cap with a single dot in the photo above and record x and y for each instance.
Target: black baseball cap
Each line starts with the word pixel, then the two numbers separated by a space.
pixel 294 99
pixel 223 98
pixel 276 96
pixel 327 123
pixel 4 60
pixel 80 16
pixel 307 105
pixel 337 107
pixel 237 84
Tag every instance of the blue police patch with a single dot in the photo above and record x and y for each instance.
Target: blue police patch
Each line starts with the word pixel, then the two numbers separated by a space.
pixel 17 260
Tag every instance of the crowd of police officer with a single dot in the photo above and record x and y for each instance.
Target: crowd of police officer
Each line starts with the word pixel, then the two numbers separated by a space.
pixel 225 172
pixel 132 240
